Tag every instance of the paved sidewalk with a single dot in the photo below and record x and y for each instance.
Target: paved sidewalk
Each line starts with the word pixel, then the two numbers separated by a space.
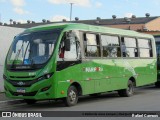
pixel 3 97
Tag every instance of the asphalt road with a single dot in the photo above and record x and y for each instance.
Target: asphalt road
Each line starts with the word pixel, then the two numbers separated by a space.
pixel 145 99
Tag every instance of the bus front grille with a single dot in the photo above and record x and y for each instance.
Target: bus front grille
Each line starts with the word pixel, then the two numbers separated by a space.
pixel 22 76
pixel 24 94
pixel 22 83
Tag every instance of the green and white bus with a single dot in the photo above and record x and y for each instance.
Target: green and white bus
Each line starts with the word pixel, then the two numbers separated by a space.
pixel 65 61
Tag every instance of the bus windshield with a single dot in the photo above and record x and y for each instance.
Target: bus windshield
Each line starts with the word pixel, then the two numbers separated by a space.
pixel 32 48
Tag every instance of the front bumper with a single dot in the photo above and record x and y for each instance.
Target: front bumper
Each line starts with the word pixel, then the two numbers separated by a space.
pixel 35 91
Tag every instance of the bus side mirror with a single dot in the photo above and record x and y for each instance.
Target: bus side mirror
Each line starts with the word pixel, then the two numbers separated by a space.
pixel 67 45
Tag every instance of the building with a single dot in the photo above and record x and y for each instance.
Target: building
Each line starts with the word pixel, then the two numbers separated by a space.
pixel 6 37
pixel 145 24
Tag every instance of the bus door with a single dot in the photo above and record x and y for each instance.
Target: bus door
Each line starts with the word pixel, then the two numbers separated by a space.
pixel 69 59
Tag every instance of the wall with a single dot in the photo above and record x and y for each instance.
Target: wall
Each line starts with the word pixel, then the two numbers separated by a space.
pixel 6 36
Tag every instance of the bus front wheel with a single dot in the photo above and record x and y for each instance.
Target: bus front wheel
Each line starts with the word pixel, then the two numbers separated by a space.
pixel 72 96
pixel 128 91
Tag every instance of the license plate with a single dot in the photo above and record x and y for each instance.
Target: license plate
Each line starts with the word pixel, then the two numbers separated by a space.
pixel 21 90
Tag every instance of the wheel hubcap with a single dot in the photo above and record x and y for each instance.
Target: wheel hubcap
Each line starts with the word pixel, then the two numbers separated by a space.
pixel 72 96
pixel 130 89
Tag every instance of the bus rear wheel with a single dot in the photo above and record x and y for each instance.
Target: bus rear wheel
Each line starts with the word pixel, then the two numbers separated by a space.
pixel 30 101
pixel 129 91
pixel 72 96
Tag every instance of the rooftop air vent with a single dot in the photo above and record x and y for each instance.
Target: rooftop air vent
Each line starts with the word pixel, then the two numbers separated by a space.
pixel 43 20
pixel 11 20
pixel 98 18
pixel 33 22
pixel 48 21
pixel 28 21
pixel 147 15
pixel 114 16
pixel 14 22
pixel 133 16
pixel 76 18
pixel 19 23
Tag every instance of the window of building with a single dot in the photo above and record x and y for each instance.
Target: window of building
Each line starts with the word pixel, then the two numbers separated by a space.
pixel 145 48
pixel 92 45
pixel 129 47
pixel 110 46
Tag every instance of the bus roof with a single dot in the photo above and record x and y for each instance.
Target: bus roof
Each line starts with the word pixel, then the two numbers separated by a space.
pixel 85 27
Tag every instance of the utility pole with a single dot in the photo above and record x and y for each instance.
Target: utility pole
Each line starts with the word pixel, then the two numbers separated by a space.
pixel 71 11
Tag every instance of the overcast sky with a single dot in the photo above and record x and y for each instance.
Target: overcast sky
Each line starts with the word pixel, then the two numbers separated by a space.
pixel 54 10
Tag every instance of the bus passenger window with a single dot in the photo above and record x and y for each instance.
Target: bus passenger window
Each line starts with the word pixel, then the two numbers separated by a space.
pixel 145 48
pixel 110 46
pixel 68 57
pixel 92 45
pixel 74 53
pixel 129 47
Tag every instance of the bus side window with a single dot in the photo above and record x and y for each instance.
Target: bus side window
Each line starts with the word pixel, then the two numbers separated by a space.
pixel 110 46
pixel 74 52
pixel 91 45
pixel 129 47
pixel 145 48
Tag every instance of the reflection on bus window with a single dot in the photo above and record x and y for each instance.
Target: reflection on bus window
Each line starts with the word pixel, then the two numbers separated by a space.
pixel 129 47
pixel 110 46
pixel 92 46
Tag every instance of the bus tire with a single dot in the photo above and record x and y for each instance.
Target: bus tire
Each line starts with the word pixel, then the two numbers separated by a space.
pixel 129 91
pixel 72 96
pixel 30 101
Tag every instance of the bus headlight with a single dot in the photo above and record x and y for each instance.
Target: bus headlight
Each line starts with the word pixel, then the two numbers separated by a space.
pixel 46 76
pixel 4 77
